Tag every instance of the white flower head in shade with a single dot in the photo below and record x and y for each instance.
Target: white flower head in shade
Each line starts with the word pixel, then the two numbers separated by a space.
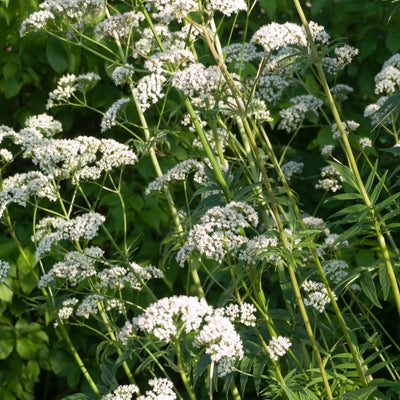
pixel 292 168
pixel 365 142
pixel 278 347
pixel 238 53
pixel 347 126
pixel 330 179
pixel 228 7
pixel 123 392
pixel 4 267
pixel 317 295
pixel 336 271
pixel 318 33
pixel 292 117
pixel 341 92
pixel 327 150
pixel 162 389
pixel 377 113
pixel 344 56
pixel 122 74
pixel 258 248
pixel 271 87
pixel 219 232
pixel 274 36
pixel 110 117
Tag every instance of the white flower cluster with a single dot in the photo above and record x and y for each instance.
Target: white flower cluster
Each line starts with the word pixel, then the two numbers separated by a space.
pixel 318 33
pixel 197 79
pixel 365 142
pixel 336 270
pixel 4 267
pixel 222 342
pixel 327 150
pixel 162 389
pixel 170 316
pixel 74 9
pixel 117 277
pixel 149 90
pixel 44 123
pixel 90 305
pixel 330 179
pixel 67 309
pixel 314 223
pixel 331 243
pixel 341 92
pixel 36 21
pixel 271 87
pixel 291 168
pixel 346 125
pixel 76 267
pixel 258 248
pixel 179 173
pixel 238 53
pixel 344 56
pixel 274 36
pixel 169 10
pixel 172 40
pixel 220 232
pixel 20 187
pixel 243 313
pixel 122 392
pixel 278 347
pixel 122 74
pixel 6 155
pixel 174 58
pixel 228 7
pixel 68 85
pixel 317 295
pixel 387 81
pixel 376 113
pixel 51 230
pixel 84 157
pixel 110 116
pixel 119 26
pixel 293 116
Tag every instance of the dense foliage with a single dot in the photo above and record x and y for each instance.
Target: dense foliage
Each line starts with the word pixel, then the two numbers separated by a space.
pixel 199 199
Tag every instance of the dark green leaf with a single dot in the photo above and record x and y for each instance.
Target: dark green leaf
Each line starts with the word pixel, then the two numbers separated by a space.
pixel 368 286
pixel 56 55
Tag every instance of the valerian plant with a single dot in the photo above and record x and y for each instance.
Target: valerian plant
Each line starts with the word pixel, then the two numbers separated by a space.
pixel 254 292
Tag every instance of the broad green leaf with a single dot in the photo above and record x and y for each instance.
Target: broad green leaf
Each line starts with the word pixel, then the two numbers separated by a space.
pixel 7 342
pixel 270 7
pixel 26 348
pixel 359 394
pixel 56 55
pixel 5 293
pixel 393 41
pixel 368 287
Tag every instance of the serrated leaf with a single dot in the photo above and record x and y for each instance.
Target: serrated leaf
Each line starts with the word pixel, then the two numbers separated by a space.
pixel 368 286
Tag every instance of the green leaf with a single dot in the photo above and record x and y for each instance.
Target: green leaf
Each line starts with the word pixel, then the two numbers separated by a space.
pixel 270 7
pixel 7 342
pixel 26 348
pixel 368 286
pixel 384 281
pixel 56 55
pixel 317 6
pixel 393 41
pixel 6 294
pixel 359 394
pixel 76 396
